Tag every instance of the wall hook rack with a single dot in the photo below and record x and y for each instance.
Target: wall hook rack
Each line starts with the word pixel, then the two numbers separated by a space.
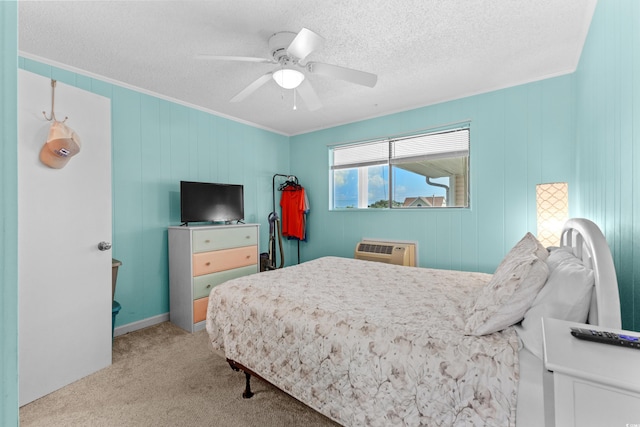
pixel 53 96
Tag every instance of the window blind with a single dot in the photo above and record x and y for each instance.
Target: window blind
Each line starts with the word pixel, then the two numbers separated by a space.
pixel 449 144
pixel 359 155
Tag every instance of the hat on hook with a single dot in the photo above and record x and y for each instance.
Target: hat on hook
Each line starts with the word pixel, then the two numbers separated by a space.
pixel 62 144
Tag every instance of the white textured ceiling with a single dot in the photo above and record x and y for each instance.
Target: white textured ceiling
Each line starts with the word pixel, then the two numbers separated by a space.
pixel 423 51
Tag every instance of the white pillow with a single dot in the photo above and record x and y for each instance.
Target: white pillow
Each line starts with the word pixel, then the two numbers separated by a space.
pixel 565 296
pixel 528 245
pixel 559 255
pixel 511 290
pixel 507 296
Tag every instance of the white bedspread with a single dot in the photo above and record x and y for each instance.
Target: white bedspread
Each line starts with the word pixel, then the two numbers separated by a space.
pixel 369 343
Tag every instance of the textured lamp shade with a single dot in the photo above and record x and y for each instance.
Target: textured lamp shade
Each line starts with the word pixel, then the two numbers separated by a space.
pixel 552 201
pixel 288 78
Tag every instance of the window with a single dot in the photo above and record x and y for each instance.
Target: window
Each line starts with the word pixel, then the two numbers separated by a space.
pixel 421 171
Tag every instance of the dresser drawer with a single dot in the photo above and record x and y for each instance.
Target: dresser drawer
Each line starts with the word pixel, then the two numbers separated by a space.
pixel 200 309
pixel 214 239
pixel 211 262
pixel 202 285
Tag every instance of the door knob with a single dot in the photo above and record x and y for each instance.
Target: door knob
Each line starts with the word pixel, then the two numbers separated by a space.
pixel 104 246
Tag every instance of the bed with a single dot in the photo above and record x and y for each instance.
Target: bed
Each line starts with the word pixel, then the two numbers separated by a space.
pixel 368 343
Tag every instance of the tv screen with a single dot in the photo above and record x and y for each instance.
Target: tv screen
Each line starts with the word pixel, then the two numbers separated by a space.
pixel 211 202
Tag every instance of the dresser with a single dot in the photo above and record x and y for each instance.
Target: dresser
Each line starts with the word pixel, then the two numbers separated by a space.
pixel 202 257
pixel 589 383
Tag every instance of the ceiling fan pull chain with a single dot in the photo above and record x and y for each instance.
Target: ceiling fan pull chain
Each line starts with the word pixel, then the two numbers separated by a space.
pixel 294 99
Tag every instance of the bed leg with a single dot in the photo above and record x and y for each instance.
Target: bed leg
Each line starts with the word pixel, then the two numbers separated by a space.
pixel 247 391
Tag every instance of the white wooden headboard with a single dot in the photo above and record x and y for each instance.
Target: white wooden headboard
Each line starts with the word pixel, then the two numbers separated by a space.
pixel 589 244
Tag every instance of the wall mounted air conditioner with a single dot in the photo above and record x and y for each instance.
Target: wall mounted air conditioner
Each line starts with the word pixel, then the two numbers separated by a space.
pixel 389 252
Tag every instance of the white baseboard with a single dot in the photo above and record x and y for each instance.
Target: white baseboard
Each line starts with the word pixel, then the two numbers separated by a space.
pixel 140 324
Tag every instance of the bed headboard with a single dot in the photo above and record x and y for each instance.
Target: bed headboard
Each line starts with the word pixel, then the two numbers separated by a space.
pixel 589 244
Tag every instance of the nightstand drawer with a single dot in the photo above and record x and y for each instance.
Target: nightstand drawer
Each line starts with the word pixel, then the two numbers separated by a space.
pixel 202 285
pixel 215 239
pixel 211 262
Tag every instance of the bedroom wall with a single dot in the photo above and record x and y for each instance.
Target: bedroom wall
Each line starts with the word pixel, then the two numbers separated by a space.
pixel 608 135
pixel 8 214
pixel 157 143
pixel 524 126
pixel 520 137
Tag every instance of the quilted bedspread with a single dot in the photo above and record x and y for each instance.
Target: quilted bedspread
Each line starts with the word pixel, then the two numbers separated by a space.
pixel 369 343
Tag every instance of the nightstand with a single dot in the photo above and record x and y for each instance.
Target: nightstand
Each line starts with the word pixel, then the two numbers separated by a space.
pixel 589 384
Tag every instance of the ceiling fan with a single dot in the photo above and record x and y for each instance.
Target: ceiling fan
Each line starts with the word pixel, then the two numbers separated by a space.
pixel 289 51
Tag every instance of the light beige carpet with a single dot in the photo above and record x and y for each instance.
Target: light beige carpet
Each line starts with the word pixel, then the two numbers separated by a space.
pixel 163 376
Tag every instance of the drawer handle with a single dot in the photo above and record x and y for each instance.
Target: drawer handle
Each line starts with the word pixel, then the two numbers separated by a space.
pixel 248 256
pixel 208 286
pixel 247 237
pixel 207 263
pixel 207 241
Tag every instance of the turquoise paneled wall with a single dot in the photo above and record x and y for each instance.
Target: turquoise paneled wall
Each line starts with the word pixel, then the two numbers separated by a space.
pixel 9 214
pixel 608 140
pixel 157 143
pixel 580 128
pixel 520 137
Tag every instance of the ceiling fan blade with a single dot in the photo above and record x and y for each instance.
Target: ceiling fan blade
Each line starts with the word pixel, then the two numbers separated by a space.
pixel 305 42
pixel 252 87
pixel 235 58
pixel 342 73
pixel 309 96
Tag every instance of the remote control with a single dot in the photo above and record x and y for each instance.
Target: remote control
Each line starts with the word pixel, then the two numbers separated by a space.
pixel 619 340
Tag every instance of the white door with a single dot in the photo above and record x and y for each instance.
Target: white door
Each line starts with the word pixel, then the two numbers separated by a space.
pixel 63 214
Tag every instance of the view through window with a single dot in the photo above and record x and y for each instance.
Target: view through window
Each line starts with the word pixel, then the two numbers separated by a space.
pixel 429 170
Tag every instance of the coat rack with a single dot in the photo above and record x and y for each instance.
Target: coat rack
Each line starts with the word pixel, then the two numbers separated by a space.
pixel 52 117
pixel 290 180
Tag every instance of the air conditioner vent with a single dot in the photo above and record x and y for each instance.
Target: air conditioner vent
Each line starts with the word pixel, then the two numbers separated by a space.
pixel 388 252
pixel 375 249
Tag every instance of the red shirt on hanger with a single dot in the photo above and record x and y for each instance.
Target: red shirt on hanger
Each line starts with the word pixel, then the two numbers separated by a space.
pixel 293 208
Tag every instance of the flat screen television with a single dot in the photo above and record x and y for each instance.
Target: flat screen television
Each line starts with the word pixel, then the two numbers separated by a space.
pixel 211 202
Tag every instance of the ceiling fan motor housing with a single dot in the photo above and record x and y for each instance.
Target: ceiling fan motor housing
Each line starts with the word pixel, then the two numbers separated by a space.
pixel 278 44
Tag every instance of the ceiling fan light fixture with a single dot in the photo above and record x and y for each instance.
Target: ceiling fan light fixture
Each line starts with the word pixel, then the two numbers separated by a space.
pixel 288 78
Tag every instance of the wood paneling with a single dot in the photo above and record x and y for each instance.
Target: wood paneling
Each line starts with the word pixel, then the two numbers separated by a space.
pixel 519 137
pixel 9 214
pixel 607 141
